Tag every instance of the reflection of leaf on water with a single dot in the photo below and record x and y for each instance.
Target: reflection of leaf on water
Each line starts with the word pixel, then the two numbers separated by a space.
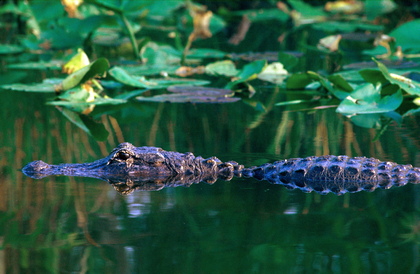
pixel 193 94
pixel 86 123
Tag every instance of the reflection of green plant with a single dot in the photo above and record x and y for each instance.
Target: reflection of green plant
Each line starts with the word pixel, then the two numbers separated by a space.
pixel 412 224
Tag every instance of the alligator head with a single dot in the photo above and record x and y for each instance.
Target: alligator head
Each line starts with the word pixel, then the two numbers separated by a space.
pixel 142 166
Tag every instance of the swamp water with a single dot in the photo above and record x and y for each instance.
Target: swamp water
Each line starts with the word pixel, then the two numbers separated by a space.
pixel 70 224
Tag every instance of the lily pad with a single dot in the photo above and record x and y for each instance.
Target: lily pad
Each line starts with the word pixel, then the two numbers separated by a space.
pixel 11 49
pixel 40 87
pixel 122 76
pixel 367 100
pixel 192 94
pixel 188 98
pixel 224 68
pixel 274 73
pixel 248 72
pixel 52 65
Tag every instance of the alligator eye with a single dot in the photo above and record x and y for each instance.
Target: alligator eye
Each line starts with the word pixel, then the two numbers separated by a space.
pixel 123 155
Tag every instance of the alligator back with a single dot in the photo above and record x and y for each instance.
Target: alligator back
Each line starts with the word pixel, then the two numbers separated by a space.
pixel 337 174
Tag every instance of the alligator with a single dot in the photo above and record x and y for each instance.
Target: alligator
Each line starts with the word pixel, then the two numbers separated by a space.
pixel 130 168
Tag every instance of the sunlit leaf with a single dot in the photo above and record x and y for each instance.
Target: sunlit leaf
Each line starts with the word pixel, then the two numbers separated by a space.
pixel 346 7
pixel 77 62
pixel 408 85
pixel 273 73
pixel 225 68
pixel 98 67
pixel 366 99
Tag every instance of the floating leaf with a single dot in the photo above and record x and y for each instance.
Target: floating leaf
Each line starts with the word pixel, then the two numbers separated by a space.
pixel 200 90
pixel 11 49
pixel 98 67
pixel 122 76
pixel 366 99
pixel 52 65
pixel 205 53
pixel 225 68
pixel 250 71
pixel 96 101
pixel 41 87
pixel 273 73
pixel 188 98
pixel 192 94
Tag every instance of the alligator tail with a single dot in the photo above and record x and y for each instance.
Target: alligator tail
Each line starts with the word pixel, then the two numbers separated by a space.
pixel 336 174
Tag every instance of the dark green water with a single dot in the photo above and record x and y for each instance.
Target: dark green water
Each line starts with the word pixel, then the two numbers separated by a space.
pixel 78 225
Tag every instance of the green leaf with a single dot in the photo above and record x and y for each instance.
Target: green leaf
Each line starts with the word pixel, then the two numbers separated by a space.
pixel 408 85
pixel 264 15
pixel 250 71
pixel 367 120
pixel 344 27
pixel 289 61
pixel 299 80
pixel 52 65
pixel 373 76
pixel 98 67
pixel 339 82
pixel 224 68
pixel 366 99
pixel 11 49
pixel 406 36
pixel 205 53
pixel 122 76
pixel 42 87
pixel 86 123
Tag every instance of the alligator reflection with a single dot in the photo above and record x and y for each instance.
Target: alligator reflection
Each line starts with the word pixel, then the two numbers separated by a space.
pixel 129 168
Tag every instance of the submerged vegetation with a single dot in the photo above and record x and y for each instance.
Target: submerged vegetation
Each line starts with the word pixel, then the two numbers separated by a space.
pixel 183 52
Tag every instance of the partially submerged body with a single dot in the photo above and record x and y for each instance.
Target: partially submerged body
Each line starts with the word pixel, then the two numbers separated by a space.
pixel 131 168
